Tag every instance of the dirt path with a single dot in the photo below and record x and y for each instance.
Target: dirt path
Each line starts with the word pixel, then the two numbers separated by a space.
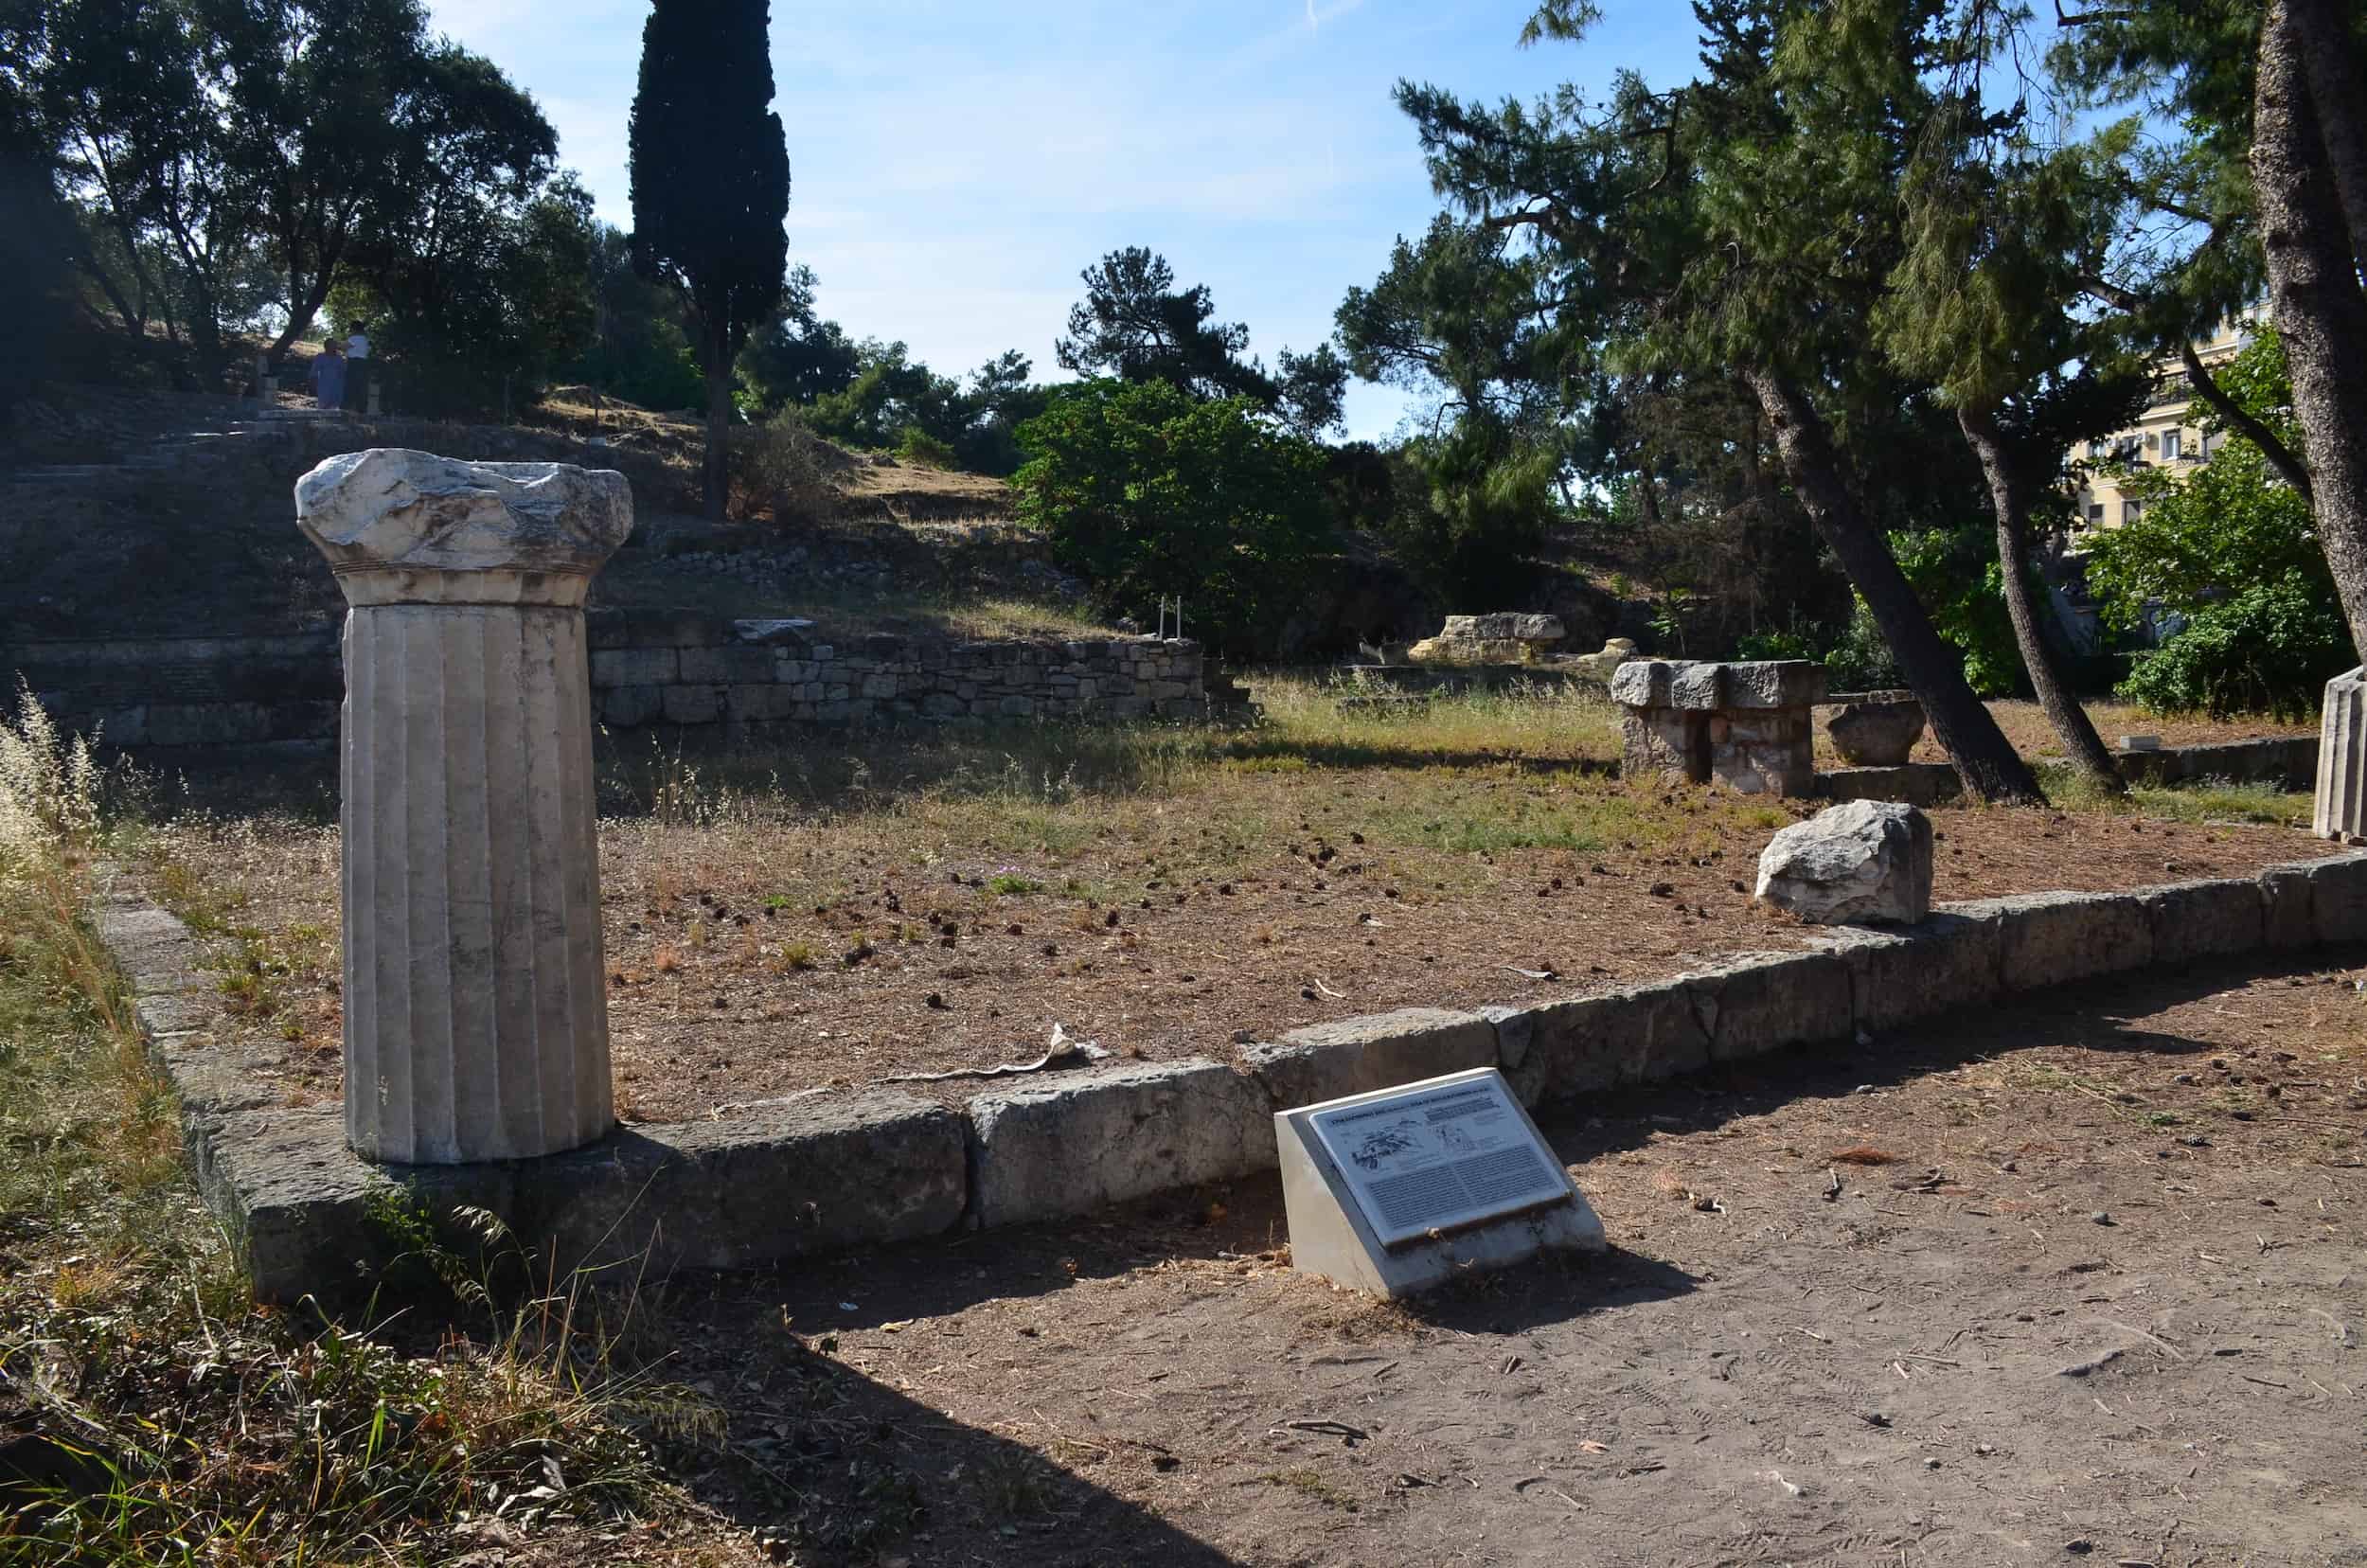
pixel 1757 1374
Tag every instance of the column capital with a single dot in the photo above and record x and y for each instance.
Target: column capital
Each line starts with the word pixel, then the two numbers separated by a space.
pixel 401 526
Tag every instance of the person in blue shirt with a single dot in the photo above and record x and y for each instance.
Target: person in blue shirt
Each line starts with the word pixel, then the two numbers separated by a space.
pixel 328 374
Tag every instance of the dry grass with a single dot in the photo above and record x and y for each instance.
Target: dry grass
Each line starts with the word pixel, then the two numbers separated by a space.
pixel 149 1414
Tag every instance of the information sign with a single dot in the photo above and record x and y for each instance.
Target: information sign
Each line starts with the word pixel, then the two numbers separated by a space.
pixel 1437 1158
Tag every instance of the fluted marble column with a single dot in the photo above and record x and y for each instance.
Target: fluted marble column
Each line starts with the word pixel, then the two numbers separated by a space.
pixel 2342 760
pixel 476 1012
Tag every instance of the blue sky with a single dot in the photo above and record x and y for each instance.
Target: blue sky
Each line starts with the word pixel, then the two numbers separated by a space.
pixel 954 166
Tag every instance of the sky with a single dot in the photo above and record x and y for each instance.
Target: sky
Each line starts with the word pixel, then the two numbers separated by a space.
pixel 954 166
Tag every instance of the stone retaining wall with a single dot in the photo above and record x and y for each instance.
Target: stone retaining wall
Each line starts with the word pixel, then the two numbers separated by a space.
pixel 829 1170
pixel 647 668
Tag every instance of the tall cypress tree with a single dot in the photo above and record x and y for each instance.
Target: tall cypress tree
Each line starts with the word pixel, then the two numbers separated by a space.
pixel 710 187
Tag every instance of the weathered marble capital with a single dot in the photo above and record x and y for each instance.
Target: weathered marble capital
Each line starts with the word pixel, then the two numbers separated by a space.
pixel 410 527
pixel 476 1012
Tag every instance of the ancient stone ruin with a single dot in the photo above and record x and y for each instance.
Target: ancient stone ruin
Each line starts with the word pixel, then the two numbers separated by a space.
pixel 1496 640
pixel 2341 812
pixel 476 1004
pixel 1867 862
pixel 1744 726
pixel 1602 667
pixel 1873 729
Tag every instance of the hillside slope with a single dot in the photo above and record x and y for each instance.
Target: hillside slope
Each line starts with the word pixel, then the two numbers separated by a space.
pixel 162 514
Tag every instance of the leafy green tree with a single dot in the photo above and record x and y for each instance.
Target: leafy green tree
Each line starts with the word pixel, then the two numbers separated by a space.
pixel 1740 227
pixel 1135 324
pixel 1989 303
pixel 1146 491
pixel 1001 398
pixel 2230 550
pixel 198 136
pixel 487 312
pixel 326 103
pixel 1474 514
pixel 891 392
pixel 1955 571
pixel 636 349
pixel 37 233
pixel 709 170
pixel 798 357
pixel 2254 167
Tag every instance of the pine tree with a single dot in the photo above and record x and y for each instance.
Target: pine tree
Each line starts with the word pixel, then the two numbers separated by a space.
pixel 710 187
pixel 1741 226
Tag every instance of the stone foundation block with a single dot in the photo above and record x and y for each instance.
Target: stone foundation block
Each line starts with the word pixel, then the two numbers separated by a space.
pixel 725 666
pixel 628 706
pixel 1080 1142
pixel 2338 891
pixel 1356 1055
pixel 1590 1044
pixel 2289 907
pixel 616 667
pixel 1761 1002
pixel 817 1173
pixel 754 702
pixel 1913 783
pixel 1945 962
pixel 692 705
pixel 2202 919
pixel 1773 683
pixel 2050 938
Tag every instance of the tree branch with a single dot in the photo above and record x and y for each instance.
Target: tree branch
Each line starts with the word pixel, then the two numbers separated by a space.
pixel 2081 19
pixel 2280 457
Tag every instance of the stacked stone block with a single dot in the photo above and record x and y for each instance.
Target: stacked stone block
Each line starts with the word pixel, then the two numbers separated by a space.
pixel 648 668
pixel 1744 726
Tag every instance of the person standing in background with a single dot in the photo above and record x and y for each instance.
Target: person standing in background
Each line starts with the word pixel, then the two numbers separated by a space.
pixel 328 374
pixel 358 368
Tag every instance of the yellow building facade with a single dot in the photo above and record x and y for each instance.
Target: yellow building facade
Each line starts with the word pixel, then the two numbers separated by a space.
pixel 2164 438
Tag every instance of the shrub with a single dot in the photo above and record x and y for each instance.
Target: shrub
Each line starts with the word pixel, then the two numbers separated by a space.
pixel 1862 660
pixel 2232 551
pixel 1777 645
pixel 1472 512
pixel 1955 572
pixel 917 446
pixel 2269 648
pixel 778 470
pixel 1146 491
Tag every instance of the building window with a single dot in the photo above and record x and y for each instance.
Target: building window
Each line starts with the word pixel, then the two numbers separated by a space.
pixel 2095 451
pixel 2171 440
pixel 2132 511
pixel 2206 443
pixel 2095 511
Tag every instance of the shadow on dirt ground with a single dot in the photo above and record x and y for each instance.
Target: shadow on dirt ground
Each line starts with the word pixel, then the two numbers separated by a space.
pixel 2069 1281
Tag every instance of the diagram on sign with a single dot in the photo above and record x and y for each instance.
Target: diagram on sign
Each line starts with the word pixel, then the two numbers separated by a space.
pixel 1434 1160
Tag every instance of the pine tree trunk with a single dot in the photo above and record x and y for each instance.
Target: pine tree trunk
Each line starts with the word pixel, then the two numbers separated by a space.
pixel 2010 498
pixel 2339 96
pixel 2314 293
pixel 717 479
pixel 1986 762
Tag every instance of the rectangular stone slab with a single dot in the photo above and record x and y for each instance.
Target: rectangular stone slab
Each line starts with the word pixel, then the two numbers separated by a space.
pixel 1075 1142
pixel 1348 1057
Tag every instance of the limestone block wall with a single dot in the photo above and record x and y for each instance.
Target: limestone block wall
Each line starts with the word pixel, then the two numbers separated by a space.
pixel 648 668
pixel 657 668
